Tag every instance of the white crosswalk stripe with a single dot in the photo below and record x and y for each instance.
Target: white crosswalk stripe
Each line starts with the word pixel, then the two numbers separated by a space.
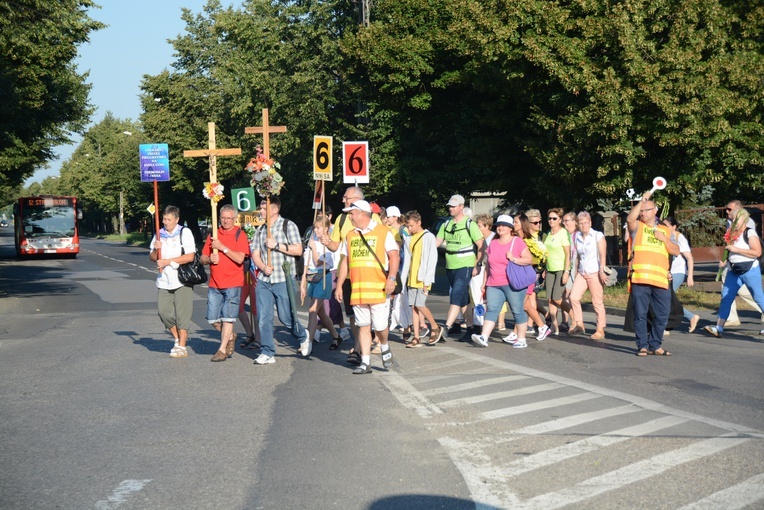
pixel 578 421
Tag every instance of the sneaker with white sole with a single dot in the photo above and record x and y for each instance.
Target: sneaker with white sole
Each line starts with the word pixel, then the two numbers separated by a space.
pixel 520 344
pixel 543 333
pixel 510 338
pixel 264 359
pixel 530 330
pixel 480 340
pixel 714 331
pixel 306 347
pixel 424 332
pixel 363 368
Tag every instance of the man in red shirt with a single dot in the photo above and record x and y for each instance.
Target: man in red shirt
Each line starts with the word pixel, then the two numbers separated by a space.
pixel 226 278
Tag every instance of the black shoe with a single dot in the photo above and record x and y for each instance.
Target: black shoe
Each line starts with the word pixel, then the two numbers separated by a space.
pixel 363 368
pixel 467 337
pixel 456 329
pixel 354 358
pixel 387 359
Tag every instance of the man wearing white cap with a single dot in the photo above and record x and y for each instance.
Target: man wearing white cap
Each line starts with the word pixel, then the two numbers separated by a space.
pixel 463 242
pixel 370 259
pixel 400 311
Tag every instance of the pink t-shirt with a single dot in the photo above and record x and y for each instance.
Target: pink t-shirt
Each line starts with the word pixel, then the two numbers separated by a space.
pixel 497 259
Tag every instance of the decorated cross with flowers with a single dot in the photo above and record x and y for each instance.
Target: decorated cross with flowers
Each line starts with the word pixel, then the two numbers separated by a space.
pixel 265 176
pixel 213 190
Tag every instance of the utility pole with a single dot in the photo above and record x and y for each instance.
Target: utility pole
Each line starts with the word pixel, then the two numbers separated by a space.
pixel 122 230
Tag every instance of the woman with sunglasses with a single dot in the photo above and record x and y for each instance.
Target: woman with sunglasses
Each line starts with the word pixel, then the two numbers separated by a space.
pixel 570 223
pixel 557 242
pixel 539 260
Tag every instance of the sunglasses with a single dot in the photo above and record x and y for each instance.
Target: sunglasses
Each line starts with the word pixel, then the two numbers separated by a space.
pixel 535 222
pixel 553 218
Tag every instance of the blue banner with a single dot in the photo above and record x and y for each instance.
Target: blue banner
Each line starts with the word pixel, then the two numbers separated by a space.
pixel 155 162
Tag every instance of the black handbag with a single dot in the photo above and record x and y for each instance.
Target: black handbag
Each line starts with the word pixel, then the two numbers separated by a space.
pixel 191 273
pixel 398 283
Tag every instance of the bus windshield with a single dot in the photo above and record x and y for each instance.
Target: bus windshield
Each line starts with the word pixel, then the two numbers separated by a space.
pixel 56 221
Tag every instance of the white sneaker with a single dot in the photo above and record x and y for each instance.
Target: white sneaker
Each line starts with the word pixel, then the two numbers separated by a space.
pixel 264 359
pixel 714 331
pixel 480 340
pixel 510 338
pixel 520 344
pixel 543 333
pixel 761 332
pixel 306 346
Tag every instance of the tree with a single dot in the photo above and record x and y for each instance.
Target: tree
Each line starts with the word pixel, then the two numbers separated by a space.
pixel 45 97
pixel 567 102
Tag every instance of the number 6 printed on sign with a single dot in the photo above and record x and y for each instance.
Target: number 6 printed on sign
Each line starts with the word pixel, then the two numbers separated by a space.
pixel 322 158
pixel 355 162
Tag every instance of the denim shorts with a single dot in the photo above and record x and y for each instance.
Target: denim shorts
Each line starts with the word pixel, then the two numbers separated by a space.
pixel 223 304
pixel 459 281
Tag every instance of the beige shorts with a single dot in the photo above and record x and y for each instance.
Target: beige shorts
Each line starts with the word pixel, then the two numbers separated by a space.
pixel 372 315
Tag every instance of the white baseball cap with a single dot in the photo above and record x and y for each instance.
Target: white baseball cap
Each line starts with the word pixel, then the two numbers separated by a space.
pixel 506 220
pixel 456 200
pixel 362 205
pixel 393 212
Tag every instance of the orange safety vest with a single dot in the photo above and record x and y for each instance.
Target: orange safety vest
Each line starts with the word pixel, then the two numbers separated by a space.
pixel 366 277
pixel 650 262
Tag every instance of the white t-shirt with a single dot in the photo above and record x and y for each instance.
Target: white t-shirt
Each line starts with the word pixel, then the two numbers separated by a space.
pixel 740 243
pixel 171 248
pixel 679 265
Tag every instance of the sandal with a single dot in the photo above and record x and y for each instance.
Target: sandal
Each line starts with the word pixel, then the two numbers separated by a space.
pixel 407 337
pixel 336 342
pixel 414 344
pixel 249 340
pixel 660 352
pixel 642 352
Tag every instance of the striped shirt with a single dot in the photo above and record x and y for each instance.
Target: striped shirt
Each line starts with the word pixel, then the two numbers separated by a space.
pixel 277 257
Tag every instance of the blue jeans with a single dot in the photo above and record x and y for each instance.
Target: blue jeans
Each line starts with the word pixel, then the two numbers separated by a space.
pixel 223 304
pixel 267 295
pixel 644 296
pixel 459 281
pixel 495 298
pixel 732 284
pixel 676 282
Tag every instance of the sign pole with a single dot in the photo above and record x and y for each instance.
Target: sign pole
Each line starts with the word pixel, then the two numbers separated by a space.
pixel 156 216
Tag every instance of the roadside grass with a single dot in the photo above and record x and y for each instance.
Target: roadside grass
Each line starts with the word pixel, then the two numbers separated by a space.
pixel 131 239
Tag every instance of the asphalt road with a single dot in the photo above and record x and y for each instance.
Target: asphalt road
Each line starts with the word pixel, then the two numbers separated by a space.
pixel 96 415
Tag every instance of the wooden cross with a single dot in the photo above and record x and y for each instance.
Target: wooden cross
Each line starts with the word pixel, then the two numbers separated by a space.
pixel 212 152
pixel 266 130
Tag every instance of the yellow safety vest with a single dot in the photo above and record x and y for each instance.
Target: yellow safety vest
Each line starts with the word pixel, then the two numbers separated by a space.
pixel 366 276
pixel 650 263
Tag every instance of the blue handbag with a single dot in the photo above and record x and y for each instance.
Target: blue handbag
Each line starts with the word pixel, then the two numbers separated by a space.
pixel 520 277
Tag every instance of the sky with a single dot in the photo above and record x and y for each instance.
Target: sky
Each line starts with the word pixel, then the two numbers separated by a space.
pixel 133 44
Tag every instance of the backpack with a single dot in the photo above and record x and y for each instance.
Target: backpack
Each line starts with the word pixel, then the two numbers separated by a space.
pixel 467 225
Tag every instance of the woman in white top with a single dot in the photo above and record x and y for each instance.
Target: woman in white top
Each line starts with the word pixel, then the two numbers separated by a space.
pixel 744 249
pixel 682 266
pixel 174 300
pixel 591 249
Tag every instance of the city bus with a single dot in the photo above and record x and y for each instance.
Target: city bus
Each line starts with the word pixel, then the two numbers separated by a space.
pixel 46 225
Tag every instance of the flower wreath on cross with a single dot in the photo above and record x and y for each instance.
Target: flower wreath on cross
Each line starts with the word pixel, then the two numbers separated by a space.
pixel 213 191
pixel 265 177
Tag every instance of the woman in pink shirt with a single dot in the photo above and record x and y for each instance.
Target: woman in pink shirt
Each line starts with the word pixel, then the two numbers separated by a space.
pixel 505 247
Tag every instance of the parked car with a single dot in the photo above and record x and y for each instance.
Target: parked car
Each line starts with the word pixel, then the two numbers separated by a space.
pixel 3 223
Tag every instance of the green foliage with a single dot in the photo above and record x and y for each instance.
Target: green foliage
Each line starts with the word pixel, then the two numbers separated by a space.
pixel 44 97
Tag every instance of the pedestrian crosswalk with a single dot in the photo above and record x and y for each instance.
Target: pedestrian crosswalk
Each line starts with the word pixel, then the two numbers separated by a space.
pixel 527 439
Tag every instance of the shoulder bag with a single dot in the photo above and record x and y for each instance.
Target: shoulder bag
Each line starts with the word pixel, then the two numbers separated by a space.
pixel 520 277
pixel 191 273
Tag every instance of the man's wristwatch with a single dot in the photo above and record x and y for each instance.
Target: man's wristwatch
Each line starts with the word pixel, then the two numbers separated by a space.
pixel 225 251
pixel 391 278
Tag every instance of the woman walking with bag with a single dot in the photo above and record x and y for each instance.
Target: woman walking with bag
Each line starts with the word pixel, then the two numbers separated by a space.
pixel 504 249
pixel 744 249
pixel 174 300
pixel 557 243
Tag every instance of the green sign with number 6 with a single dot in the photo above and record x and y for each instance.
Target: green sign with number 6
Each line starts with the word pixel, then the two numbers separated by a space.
pixel 244 199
